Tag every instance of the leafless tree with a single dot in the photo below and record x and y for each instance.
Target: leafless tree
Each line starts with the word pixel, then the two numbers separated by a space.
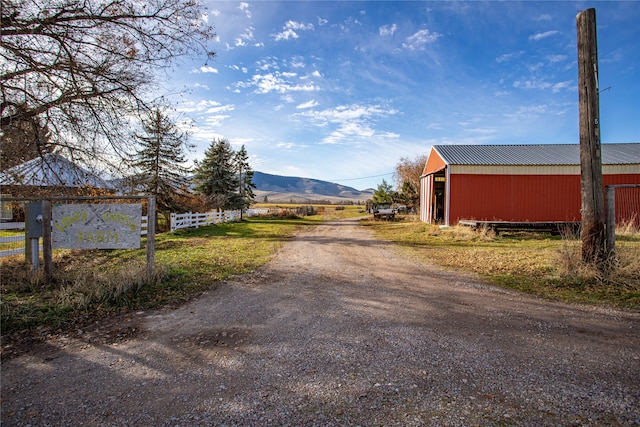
pixel 407 178
pixel 409 170
pixel 82 70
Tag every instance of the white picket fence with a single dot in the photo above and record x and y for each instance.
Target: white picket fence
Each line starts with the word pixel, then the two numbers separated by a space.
pixel 197 219
pixel 178 221
pixel 12 239
pixel 21 237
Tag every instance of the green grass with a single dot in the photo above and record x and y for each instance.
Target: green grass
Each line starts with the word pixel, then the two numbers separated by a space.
pixel 94 282
pixel 536 263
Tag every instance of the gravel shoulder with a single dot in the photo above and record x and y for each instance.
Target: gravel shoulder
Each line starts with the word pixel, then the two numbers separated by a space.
pixel 338 329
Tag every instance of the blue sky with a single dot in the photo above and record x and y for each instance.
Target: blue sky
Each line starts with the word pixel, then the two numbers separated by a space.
pixel 341 91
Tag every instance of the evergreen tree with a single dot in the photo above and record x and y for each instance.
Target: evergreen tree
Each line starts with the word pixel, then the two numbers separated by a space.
pixel 245 174
pixel 409 196
pixel 216 178
pixel 160 159
pixel 383 194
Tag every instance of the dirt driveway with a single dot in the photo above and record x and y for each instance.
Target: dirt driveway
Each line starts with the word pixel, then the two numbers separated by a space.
pixel 340 330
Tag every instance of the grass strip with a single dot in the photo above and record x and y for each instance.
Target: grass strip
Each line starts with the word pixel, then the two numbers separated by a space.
pixel 537 263
pixel 87 283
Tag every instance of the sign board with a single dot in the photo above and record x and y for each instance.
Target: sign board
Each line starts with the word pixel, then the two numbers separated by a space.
pixel 96 226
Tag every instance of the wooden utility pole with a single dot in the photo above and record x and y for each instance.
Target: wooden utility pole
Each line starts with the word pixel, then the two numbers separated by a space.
pixel 593 234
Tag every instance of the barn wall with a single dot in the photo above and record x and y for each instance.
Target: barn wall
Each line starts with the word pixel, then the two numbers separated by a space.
pixel 425 197
pixel 539 169
pixel 521 197
pixel 434 163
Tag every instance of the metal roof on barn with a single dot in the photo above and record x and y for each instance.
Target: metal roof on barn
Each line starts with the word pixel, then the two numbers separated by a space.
pixel 534 155
pixel 51 170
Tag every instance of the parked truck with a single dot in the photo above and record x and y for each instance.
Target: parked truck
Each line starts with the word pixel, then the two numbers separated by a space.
pixel 383 211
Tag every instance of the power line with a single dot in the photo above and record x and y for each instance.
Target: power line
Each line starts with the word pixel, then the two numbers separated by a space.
pixel 364 177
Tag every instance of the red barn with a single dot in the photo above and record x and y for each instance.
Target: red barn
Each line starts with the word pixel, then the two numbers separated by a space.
pixel 520 183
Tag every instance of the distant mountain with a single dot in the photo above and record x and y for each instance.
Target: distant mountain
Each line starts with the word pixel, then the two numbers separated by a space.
pixel 279 188
pixel 285 189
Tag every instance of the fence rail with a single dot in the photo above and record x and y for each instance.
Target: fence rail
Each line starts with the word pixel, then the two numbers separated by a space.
pixel 197 219
pixel 21 237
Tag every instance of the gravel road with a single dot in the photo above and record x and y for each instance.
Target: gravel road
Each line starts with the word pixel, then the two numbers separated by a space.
pixel 339 330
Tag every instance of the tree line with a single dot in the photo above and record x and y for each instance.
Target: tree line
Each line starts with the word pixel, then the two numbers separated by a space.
pixel 223 179
pixel 407 178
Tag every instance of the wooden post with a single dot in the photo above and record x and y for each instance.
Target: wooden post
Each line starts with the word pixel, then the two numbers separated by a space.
pixel 590 153
pixel 47 246
pixel 610 196
pixel 28 252
pixel 151 237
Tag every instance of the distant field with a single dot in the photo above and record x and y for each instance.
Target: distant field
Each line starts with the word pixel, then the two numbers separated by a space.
pixel 283 197
pixel 322 211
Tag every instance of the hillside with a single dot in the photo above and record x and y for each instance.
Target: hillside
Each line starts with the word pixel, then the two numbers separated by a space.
pixel 288 188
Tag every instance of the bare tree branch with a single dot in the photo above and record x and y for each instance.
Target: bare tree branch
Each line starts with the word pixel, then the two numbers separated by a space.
pixel 85 68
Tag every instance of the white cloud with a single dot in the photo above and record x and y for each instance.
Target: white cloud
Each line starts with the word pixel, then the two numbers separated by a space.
pixel 237 142
pixel 542 85
pixel 205 69
pixel 276 82
pixel 315 74
pixel 612 56
pixel 205 106
pixel 508 56
pixel 310 104
pixel 289 30
pixel 215 120
pixel 245 8
pixel 540 36
pixel 286 35
pixel 528 112
pixel 290 145
pixel 298 25
pixel 246 36
pixel 387 30
pixel 556 58
pixel 353 123
pixel 557 87
pixel 418 40
pixel 297 62
pixel 220 109
pixel 322 21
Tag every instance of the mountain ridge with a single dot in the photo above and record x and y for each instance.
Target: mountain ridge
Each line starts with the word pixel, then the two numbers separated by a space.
pixel 280 188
